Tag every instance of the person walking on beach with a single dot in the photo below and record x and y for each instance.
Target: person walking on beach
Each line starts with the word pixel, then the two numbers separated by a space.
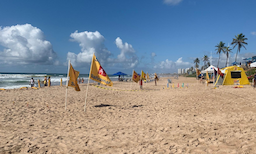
pixel 32 82
pixel 156 79
pixel 79 80
pixel 82 80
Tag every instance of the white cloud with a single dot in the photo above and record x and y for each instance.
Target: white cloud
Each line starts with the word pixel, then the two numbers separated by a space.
pixel 170 66
pixel 153 54
pixel 90 42
pixel 25 44
pixel 253 33
pixel 179 62
pixel 127 54
pixel 172 2
pixel 93 42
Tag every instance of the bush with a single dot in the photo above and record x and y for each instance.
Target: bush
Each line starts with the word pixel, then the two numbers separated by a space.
pixel 250 72
pixel 191 75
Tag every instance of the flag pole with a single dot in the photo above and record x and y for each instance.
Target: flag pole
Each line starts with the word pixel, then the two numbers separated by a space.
pixel 67 86
pixel 88 84
pixel 131 80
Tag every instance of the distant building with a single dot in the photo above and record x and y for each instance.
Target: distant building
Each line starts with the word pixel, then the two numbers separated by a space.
pixel 183 71
pixel 186 70
pixel 179 71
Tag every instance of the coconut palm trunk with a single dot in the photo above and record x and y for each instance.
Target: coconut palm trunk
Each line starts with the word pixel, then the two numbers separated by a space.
pixel 218 61
pixel 237 53
pixel 227 61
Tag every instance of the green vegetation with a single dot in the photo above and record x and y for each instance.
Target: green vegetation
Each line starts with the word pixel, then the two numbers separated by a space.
pixel 239 41
pixel 205 59
pixel 197 61
pixel 220 48
pixel 250 72
pixel 227 51
pixel 191 75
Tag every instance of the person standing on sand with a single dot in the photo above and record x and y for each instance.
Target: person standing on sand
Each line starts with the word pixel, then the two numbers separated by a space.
pixel 79 80
pixel 32 82
pixel 83 80
pixel 49 80
pixel 141 83
pixel 45 81
pixel 156 79
pixel 254 80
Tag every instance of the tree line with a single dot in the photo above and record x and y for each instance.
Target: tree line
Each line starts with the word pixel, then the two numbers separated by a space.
pixel 238 41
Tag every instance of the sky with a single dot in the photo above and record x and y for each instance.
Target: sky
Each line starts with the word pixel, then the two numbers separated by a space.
pixel 125 35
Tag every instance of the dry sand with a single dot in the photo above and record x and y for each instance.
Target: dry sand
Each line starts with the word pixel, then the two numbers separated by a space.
pixel 196 119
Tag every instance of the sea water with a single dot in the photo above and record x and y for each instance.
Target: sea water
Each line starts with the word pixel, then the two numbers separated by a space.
pixel 18 80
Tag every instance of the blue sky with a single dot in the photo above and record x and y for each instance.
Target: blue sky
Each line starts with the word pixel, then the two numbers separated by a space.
pixel 151 35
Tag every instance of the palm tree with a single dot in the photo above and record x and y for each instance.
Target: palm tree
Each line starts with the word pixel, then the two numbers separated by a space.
pixel 202 68
pixel 208 64
pixel 239 41
pixel 220 48
pixel 192 68
pixel 197 61
pixel 205 59
pixel 196 65
pixel 227 51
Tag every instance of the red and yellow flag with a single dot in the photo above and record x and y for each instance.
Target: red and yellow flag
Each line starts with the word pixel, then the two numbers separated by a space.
pixel 135 77
pixel 98 74
pixel 143 75
pixel 73 75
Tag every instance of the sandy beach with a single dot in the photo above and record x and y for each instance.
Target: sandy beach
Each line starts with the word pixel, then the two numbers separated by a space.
pixel 196 119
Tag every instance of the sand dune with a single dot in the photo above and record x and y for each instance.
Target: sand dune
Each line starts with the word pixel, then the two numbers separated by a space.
pixel 196 119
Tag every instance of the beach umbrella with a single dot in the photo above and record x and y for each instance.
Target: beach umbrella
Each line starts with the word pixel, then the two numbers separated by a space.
pixel 119 73
pixel 235 63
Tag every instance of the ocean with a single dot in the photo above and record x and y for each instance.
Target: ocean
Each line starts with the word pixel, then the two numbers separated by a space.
pixel 18 80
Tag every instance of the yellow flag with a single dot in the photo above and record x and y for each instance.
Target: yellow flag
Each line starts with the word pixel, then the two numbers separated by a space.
pixel 197 72
pixel 147 76
pixel 98 74
pixel 73 75
pixel 135 77
pixel 143 75
pixel 207 76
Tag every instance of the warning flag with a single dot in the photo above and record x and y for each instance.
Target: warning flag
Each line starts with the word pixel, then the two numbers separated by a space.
pixel 135 77
pixel 98 74
pixel 143 75
pixel 73 75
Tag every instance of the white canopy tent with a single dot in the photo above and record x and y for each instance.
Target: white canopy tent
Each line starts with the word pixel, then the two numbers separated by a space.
pixel 210 69
pixel 253 64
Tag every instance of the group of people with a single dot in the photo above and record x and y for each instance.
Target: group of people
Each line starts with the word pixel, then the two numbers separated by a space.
pixel 80 80
pixel 155 78
pixel 32 81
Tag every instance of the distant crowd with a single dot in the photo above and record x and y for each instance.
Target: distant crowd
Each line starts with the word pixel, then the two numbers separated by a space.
pixel 46 82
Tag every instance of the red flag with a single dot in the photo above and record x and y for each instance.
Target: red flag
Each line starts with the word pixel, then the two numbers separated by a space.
pixel 102 71
pixel 220 73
